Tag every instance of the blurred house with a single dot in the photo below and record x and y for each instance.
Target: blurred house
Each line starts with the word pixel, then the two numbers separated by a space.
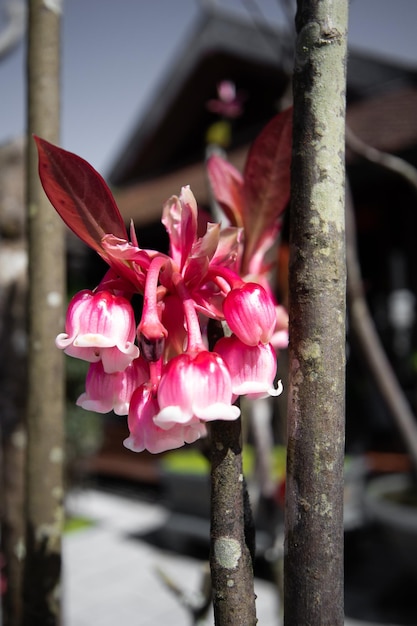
pixel 166 150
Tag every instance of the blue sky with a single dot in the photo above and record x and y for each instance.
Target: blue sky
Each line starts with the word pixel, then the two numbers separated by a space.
pixel 115 52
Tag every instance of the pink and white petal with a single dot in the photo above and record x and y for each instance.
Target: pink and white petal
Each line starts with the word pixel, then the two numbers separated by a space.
pixel 171 415
pixel 217 411
pixel 116 360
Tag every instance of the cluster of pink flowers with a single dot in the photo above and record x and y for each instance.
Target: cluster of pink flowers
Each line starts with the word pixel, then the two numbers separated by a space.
pixel 162 372
pixel 209 325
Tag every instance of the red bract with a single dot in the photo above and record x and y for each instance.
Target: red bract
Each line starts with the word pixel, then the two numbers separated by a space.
pixel 80 195
pixel 257 199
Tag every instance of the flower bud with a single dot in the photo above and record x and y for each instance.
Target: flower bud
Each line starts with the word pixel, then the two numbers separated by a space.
pixel 250 313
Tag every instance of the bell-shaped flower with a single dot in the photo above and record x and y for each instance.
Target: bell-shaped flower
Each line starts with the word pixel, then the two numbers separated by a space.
pixel 145 434
pixel 250 313
pixel 112 392
pixel 252 368
pixel 195 386
pixel 100 326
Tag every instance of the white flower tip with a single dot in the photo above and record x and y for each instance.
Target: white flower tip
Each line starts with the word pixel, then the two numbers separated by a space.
pixel 61 341
pixel 218 411
pixel 129 443
pixel 278 391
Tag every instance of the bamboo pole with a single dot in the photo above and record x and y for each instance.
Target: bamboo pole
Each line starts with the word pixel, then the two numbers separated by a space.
pixel 313 594
pixel 45 394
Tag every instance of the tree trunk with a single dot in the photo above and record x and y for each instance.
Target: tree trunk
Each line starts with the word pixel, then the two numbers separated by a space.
pixel 45 402
pixel 314 498
pixel 232 538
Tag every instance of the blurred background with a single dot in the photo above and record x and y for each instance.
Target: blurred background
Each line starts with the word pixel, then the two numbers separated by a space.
pixel 136 79
pixel 115 54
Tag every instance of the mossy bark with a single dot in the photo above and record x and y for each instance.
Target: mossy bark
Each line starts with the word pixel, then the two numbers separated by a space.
pixel 232 534
pixel 45 397
pixel 314 498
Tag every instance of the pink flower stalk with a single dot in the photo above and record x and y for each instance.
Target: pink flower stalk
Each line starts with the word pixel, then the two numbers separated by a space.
pixel 151 332
pixel 252 368
pixel 100 326
pixel 112 392
pixel 195 387
pixel 250 313
pixel 145 434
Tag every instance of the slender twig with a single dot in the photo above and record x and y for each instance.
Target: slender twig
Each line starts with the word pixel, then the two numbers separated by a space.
pixel 388 161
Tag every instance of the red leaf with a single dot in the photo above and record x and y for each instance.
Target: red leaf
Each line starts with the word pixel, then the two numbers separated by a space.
pixel 227 186
pixel 79 195
pixel 267 179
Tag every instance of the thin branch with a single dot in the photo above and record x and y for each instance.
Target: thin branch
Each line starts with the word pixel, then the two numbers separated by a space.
pixel 388 161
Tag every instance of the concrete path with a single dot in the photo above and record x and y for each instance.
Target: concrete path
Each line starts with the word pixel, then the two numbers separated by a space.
pixel 111 577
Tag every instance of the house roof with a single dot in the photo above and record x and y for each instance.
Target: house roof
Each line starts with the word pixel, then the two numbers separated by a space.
pixel 171 132
pixel 166 149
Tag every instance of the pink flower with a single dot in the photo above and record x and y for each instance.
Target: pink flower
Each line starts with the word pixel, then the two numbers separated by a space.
pixel 252 368
pixel 112 392
pixel 229 103
pixel 100 326
pixel 177 384
pixel 145 434
pixel 195 387
pixel 250 313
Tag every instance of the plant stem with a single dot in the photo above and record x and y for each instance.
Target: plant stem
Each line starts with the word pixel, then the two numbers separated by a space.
pixel 230 555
